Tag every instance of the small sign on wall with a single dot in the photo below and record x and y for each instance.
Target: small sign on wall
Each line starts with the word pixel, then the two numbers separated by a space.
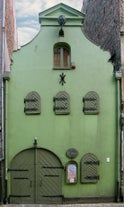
pixel 72 153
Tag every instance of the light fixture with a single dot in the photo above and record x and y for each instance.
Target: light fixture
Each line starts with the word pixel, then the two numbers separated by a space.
pixel 73 66
pixel 61 33
pixel 35 142
pixel 61 21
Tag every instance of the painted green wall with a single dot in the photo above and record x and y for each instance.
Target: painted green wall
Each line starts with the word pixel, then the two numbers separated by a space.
pixel 32 70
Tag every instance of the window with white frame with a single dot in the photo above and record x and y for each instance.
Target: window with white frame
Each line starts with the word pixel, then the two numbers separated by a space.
pixel 61 56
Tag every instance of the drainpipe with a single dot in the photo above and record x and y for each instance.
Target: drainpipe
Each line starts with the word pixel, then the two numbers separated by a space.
pixel 3 65
pixel 6 79
pixel 122 155
pixel 2 94
pixel 118 76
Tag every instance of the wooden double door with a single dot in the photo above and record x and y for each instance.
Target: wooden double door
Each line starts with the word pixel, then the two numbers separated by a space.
pixel 36 177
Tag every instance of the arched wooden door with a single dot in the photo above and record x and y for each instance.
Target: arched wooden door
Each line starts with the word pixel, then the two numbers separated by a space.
pixel 36 177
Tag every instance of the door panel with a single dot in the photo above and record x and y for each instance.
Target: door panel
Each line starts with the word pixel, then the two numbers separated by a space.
pixel 36 177
pixel 49 178
pixel 22 178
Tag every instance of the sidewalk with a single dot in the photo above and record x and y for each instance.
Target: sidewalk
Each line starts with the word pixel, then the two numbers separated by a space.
pixel 67 205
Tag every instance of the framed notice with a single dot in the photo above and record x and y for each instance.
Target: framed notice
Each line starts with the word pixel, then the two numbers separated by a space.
pixel 71 172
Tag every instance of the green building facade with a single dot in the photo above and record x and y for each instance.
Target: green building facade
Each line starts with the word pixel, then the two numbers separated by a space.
pixel 62 120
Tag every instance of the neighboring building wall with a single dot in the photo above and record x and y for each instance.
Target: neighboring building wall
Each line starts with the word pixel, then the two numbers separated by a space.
pixel 10 31
pixel 0 99
pixel 1 14
pixel 101 26
pixel 10 25
pixel 122 92
pixel 8 43
pixel 122 45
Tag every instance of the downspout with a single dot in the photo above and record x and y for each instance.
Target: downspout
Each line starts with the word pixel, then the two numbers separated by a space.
pixel 118 76
pixel 2 128
pixel 3 65
pixel 122 155
pixel 5 78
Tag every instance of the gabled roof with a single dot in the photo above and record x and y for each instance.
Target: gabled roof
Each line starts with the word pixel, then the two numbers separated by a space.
pixel 60 9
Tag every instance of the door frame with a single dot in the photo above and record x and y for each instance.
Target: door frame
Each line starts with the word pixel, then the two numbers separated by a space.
pixel 12 170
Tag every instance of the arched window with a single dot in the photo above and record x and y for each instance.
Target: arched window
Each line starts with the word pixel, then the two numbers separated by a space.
pixel 61 56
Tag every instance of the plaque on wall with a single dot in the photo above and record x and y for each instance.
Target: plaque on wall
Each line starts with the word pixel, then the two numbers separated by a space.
pixel 91 103
pixel 61 103
pixel 72 153
pixel 32 103
pixel 89 168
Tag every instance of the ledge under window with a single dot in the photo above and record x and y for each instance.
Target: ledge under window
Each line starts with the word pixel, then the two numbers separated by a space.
pixel 62 68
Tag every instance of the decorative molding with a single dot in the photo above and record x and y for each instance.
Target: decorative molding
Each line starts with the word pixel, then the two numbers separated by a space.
pixel 62 79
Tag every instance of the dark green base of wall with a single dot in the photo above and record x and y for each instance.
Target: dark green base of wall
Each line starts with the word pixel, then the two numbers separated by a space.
pixel 76 200
pixel 89 200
